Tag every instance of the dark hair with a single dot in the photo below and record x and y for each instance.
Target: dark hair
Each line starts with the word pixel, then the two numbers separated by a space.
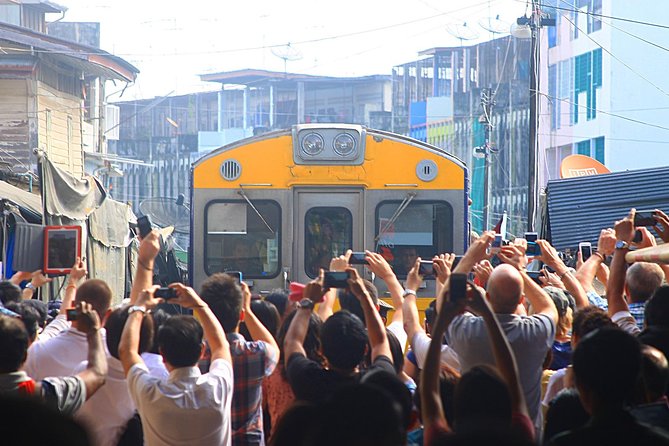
pixel 349 302
pixel 654 375
pixel 268 315
pixel 41 308
pixel 448 380
pixel 312 341
pixel 180 341
pixel 279 298
pixel 589 319
pixel 396 389
pixel 431 313
pixel 482 398
pixel 607 363
pixel 114 328
pixel 13 344
pixel 29 316
pixel 657 308
pixel 97 293
pixel 159 317
pixel 395 351
pixel 343 340
pixel 298 425
pixel 362 414
pixel 9 292
pixel 224 296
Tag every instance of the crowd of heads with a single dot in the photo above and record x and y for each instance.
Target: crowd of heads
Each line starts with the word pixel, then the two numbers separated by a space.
pixel 514 360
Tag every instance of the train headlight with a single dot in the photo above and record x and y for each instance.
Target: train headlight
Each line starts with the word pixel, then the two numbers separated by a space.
pixel 313 144
pixel 344 144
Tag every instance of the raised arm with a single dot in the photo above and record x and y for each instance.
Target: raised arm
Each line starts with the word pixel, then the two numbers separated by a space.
pixel 325 308
pixel 77 273
pixel 256 329
pixel 443 264
pixel 95 374
pixel 593 266
pixel 213 331
pixel 149 247
pixel 504 357
pixel 297 332
pixel 540 301
pixel 550 257
pixel 409 307
pixel 615 290
pixel 380 267
pixel 37 279
pixel 432 410
pixel 477 251
pixel 376 331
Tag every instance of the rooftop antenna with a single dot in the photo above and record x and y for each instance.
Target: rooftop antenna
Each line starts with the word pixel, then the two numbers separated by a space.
pixel 287 53
pixel 495 26
pixel 462 32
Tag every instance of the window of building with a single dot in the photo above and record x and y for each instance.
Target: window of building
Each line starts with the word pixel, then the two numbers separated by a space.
pixel 583 148
pixel 599 149
pixel 594 13
pixel 423 229
pixel 237 238
pixel 553 96
pixel 328 233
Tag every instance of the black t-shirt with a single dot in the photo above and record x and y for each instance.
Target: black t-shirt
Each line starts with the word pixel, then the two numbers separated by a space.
pixel 311 382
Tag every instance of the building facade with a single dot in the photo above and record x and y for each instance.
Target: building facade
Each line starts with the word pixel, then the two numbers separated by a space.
pixel 608 99
pixel 438 99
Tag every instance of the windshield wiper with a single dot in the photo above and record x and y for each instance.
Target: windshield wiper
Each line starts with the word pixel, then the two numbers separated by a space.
pixel 389 224
pixel 241 192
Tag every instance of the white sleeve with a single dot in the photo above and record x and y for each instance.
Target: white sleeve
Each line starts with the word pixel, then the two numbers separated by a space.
pixel 419 345
pixel 397 328
pixel 140 383
pixel 626 321
pixel 58 324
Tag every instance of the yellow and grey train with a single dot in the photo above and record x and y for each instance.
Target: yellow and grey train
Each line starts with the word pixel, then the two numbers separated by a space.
pixel 279 206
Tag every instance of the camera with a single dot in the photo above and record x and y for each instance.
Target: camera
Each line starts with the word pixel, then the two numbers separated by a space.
pixel 144 225
pixel 71 314
pixel 586 250
pixel 357 258
pixel 645 218
pixel 166 293
pixel 335 279
pixel 457 289
pixel 533 249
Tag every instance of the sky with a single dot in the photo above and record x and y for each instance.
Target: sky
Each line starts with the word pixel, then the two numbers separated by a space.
pixel 173 43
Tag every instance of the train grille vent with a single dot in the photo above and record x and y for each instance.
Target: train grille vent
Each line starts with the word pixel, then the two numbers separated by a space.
pixel 231 170
pixel 426 170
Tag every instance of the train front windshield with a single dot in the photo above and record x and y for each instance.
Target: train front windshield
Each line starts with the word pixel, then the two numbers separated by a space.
pixel 240 239
pixel 423 229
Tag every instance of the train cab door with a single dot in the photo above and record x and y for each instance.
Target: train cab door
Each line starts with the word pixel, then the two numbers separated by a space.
pixel 327 222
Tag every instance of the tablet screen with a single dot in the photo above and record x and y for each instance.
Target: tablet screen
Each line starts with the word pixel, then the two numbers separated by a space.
pixel 62 248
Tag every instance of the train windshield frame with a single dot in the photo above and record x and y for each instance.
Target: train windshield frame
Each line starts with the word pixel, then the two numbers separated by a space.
pixel 328 233
pixel 424 229
pixel 236 238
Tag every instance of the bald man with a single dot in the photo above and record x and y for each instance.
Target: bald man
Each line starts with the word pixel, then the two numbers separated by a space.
pixel 641 281
pixel 530 336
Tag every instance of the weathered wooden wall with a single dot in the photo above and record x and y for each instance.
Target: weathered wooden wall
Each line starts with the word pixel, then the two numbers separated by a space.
pixel 15 153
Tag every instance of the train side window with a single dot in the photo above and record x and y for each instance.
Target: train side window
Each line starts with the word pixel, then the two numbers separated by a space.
pixel 423 229
pixel 237 238
pixel 328 234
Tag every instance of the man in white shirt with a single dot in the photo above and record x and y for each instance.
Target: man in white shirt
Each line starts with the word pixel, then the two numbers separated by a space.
pixel 188 408
pixel 107 413
pixel 60 354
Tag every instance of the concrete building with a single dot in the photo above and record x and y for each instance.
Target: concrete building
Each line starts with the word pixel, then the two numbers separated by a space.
pixel 437 99
pixel 52 93
pixel 607 88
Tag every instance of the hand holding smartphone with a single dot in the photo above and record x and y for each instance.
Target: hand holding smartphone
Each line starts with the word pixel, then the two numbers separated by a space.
pixel 426 269
pixel 144 225
pixel 585 248
pixel 357 258
pixel 335 279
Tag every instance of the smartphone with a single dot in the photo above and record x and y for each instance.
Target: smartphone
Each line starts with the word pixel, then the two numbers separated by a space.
pixel 534 275
pixel 496 244
pixel 335 279
pixel 645 218
pixel 548 268
pixel 586 250
pixel 533 249
pixel 426 268
pixel 357 258
pixel 166 293
pixel 531 237
pixel 71 314
pixel 456 261
pixel 237 275
pixel 144 225
pixel 457 289
pixel 638 236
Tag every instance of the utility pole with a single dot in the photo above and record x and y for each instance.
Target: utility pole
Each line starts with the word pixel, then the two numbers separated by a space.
pixel 535 22
pixel 486 103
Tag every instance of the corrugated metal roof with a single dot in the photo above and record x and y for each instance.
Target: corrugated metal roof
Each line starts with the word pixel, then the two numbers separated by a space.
pixel 579 208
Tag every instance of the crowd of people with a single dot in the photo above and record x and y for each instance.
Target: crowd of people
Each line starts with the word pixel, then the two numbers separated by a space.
pixel 577 356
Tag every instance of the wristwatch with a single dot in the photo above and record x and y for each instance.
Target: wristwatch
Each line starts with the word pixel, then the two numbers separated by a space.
pixel 621 244
pixel 30 286
pixel 306 304
pixel 135 308
pixel 408 291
